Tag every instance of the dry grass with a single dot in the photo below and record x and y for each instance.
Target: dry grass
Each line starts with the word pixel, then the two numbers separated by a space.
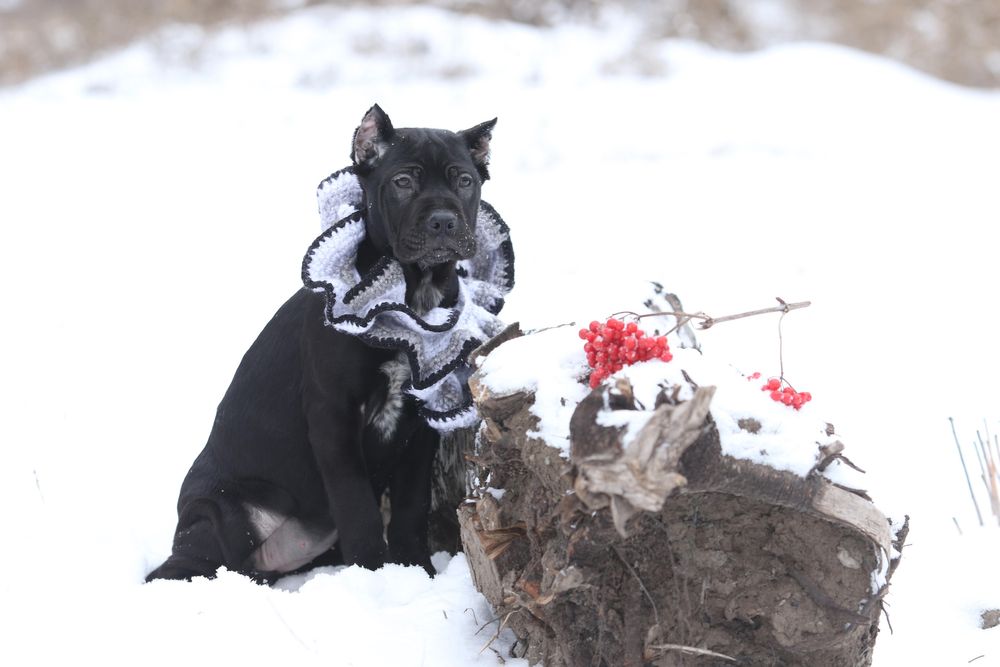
pixel 957 40
pixel 41 35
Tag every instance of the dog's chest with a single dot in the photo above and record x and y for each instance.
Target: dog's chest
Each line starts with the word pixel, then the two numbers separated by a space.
pixel 426 295
pixel 385 409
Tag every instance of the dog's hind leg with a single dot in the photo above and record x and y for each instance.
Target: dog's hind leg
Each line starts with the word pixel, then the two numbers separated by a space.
pixel 210 534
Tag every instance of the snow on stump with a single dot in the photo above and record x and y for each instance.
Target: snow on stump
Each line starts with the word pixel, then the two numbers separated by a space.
pixel 642 542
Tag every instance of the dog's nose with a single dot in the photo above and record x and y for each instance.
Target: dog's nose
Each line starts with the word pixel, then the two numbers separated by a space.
pixel 441 223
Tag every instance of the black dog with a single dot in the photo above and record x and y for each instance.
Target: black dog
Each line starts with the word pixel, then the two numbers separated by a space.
pixel 309 434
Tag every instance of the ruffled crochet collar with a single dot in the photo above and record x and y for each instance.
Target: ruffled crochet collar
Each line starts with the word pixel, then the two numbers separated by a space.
pixel 372 306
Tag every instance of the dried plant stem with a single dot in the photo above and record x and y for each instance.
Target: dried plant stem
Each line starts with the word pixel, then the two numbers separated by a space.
pixel 691 650
pixel 992 468
pixel 652 603
pixel 982 468
pixel 781 348
pixel 967 480
pixel 708 321
pixel 500 628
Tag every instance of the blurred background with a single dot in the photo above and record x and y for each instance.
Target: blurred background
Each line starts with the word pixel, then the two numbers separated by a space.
pixel 158 164
pixel 956 40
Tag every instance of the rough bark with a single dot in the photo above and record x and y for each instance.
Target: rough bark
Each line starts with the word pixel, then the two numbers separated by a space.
pixel 666 552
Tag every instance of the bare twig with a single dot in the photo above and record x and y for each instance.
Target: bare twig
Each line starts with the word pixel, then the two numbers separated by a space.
pixel 691 650
pixel 982 468
pixel 966 470
pixel 991 466
pixel 487 624
pixel 708 321
pixel 500 628
pixel 996 445
pixel 656 613
pixel 554 326
pixel 885 612
pixel 957 526
pixel 781 346
pixel 38 485
pixel 783 308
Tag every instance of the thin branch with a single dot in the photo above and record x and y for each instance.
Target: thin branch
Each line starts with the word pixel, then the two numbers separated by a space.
pixel 691 650
pixel 499 630
pixel 487 624
pixel 991 466
pixel 554 326
pixel 996 445
pixel 38 485
pixel 708 321
pixel 967 480
pixel 781 346
pixel 656 613
pixel 783 308
pixel 885 612
pixel 982 468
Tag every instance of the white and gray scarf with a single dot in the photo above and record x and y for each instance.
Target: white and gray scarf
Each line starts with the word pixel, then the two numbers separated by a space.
pixel 373 306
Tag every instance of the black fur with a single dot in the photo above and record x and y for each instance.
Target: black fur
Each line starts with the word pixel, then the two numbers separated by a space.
pixel 292 441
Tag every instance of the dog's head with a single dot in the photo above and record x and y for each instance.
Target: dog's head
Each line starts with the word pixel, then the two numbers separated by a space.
pixel 421 187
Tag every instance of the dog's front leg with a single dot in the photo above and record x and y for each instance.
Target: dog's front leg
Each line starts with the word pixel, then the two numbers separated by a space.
pixel 410 500
pixel 334 368
pixel 334 437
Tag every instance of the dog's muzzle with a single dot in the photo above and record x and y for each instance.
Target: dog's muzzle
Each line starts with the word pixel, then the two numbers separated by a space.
pixel 441 235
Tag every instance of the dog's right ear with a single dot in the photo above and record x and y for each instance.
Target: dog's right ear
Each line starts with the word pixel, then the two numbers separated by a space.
pixel 371 138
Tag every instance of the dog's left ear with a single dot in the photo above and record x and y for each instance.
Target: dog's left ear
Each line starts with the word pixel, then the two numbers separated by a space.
pixel 371 138
pixel 478 140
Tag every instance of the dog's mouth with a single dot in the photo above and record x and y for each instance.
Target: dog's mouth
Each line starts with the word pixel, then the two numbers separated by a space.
pixel 439 256
pixel 418 249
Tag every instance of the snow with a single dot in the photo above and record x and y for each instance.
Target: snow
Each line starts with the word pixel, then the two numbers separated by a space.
pixel 555 382
pixel 158 201
pixel 551 363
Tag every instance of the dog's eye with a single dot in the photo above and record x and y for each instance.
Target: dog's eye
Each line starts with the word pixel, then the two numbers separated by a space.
pixel 465 181
pixel 403 182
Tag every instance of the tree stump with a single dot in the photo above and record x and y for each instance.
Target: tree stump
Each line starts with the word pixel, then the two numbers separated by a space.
pixel 665 551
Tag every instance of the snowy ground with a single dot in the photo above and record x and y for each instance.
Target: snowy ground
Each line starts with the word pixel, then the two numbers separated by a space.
pixel 157 204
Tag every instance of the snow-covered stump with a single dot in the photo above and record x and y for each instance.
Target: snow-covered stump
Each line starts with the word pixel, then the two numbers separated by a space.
pixel 654 547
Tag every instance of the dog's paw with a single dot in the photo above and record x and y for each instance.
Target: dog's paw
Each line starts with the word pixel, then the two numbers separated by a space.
pixel 419 559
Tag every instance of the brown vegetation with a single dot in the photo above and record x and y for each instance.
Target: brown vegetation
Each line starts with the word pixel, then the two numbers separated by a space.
pixel 957 40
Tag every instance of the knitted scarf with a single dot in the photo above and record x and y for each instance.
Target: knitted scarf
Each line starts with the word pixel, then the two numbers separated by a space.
pixel 373 306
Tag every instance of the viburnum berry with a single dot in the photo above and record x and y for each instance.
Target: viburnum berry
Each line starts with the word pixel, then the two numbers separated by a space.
pixel 786 395
pixel 613 344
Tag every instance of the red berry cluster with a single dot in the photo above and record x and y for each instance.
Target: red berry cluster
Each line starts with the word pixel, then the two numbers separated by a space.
pixel 614 345
pixel 788 396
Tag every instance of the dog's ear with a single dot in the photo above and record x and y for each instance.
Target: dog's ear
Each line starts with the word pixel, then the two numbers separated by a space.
pixel 371 138
pixel 478 140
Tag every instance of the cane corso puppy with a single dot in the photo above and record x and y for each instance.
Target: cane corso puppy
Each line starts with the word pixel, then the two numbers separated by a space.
pixel 296 464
